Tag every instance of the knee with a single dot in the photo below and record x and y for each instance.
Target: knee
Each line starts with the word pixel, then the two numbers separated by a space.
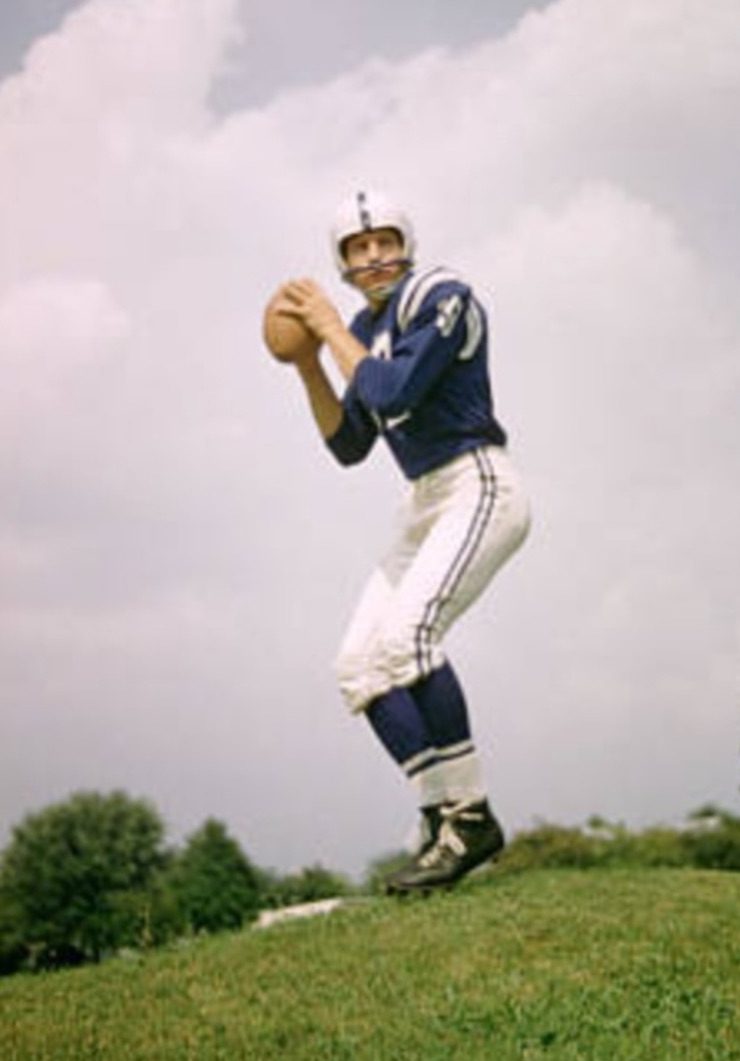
pixel 348 666
pixel 408 652
pixel 396 649
pixel 363 676
pixel 398 656
pixel 358 678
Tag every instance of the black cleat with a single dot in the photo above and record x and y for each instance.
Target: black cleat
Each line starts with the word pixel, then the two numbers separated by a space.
pixel 468 836
pixel 428 832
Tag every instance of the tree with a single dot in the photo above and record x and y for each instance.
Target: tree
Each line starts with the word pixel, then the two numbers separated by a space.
pixel 67 869
pixel 13 952
pixel 215 883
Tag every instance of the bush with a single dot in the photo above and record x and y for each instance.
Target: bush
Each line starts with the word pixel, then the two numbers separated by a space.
pixel 148 917
pixel 65 870
pixel 214 882
pixel 551 845
pixel 310 884
pixel 713 839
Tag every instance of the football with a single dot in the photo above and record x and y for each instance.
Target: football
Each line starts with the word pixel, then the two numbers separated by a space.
pixel 286 337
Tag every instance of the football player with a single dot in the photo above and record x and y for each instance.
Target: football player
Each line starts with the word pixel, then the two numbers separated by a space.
pixel 415 362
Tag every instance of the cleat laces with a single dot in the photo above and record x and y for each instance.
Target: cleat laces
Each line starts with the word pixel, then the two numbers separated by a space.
pixel 448 839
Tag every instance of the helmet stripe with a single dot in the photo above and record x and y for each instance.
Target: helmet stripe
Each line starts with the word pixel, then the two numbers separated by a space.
pixel 365 218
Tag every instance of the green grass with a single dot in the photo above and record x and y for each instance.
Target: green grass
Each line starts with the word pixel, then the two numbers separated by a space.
pixel 599 965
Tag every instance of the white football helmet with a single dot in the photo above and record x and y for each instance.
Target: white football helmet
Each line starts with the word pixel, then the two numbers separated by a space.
pixel 365 210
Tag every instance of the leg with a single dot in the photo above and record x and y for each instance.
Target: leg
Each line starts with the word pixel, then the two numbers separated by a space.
pixel 468 544
pixel 467 519
pixel 357 666
pixel 478 518
pixel 456 775
pixel 425 730
pixel 360 663
pixel 392 712
pixel 400 726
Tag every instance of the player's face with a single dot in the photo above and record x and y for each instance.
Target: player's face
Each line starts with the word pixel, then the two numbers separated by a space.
pixel 373 259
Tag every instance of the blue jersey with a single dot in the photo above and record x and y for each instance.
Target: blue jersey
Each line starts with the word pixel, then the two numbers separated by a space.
pixel 425 388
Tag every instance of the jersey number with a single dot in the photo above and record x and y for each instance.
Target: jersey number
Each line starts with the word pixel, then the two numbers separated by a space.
pixel 448 310
pixel 382 346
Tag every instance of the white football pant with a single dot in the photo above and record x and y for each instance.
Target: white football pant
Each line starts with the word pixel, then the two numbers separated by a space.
pixel 461 522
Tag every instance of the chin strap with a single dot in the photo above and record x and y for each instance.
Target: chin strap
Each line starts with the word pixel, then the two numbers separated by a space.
pixel 374 267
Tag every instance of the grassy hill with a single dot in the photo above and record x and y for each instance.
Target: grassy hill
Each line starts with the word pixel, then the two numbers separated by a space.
pixel 599 965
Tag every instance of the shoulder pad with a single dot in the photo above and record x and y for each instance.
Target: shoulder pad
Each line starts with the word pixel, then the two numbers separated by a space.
pixel 417 290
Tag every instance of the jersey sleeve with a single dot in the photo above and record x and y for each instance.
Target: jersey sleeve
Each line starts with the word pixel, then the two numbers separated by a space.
pixel 437 331
pixel 357 432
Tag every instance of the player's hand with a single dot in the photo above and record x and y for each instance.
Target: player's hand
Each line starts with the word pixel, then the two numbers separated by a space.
pixel 308 301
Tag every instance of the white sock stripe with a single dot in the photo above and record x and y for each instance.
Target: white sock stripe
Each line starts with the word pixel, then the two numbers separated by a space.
pixel 418 762
pixel 456 751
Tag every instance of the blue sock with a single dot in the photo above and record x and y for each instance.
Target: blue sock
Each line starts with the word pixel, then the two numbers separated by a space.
pixel 401 728
pixel 441 703
pixel 456 776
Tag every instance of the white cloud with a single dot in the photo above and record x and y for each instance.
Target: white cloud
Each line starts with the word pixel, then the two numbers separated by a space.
pixel 180 553
pixel 51 329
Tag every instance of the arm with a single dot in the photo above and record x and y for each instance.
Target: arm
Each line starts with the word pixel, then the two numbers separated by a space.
pixel 346 427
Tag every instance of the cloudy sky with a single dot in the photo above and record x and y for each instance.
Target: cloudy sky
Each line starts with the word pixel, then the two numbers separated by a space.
pixel 178 554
